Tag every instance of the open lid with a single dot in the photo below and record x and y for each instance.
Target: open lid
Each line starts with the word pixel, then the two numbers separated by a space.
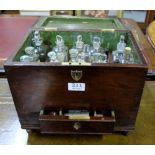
pixel 78 23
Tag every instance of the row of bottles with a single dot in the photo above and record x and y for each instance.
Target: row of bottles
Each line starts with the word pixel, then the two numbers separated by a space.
pixel 59 52
pixel 35 52
pixel 80 53
pixel 122 54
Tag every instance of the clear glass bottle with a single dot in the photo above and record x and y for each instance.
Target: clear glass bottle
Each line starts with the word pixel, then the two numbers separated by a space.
pixel 52 57
pixel 37 41
pixel 97 53
pixel 81 57
pixel 76 53
pixel 79 43
pixel 73 55
pixel 87 52
pixel 96 44
pixel 32 53
pixel 26 58
pixel 121 44
pixel 118 55
pixel 60 49
pixel 30 50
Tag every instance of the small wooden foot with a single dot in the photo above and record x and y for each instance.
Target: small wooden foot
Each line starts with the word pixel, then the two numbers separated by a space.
pixel 125 133
pixel 29 130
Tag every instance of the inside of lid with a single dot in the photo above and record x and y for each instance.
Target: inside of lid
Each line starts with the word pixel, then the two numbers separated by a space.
pixel 82 23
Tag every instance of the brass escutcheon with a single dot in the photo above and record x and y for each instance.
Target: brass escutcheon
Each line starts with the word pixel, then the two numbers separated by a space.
pixel 76 75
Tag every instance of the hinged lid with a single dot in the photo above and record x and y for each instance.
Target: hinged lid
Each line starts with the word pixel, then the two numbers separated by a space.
pixel 58 23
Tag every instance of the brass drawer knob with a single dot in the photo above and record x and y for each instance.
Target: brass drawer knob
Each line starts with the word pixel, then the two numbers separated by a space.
pixel 77 126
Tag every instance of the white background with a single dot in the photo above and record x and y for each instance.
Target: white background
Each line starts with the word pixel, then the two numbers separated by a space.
pixel 77 4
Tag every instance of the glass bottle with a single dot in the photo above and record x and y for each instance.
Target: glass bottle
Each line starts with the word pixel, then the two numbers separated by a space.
pixel 121 44
pixel 73 55
pixel 52 57
pixel 32 53
pixel 79 43
pixel 30 50
pixel 97 54
pixel 81 57
pixel 60 49
pixel 38 44
pixel 96 44
pixel 26 58
pixel 37 41
pixel 118 55
pixel 82 49
pixel 87 52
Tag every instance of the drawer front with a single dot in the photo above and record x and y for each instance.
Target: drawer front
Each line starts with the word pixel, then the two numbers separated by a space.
pixel 96 124
pixel 86 127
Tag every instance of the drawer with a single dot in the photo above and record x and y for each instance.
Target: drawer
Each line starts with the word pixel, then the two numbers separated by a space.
pixel 80 124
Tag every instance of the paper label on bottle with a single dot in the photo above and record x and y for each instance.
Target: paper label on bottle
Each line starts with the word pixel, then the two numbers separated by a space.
pixel 76 86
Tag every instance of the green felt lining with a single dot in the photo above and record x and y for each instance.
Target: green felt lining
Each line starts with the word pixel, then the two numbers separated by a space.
pixel 108 40
pixel 82 23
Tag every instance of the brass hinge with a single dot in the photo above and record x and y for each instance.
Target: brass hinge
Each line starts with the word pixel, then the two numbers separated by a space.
pixel 108 30
pixel 50 28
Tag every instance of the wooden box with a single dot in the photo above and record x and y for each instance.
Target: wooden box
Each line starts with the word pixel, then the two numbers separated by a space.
pixel 112 93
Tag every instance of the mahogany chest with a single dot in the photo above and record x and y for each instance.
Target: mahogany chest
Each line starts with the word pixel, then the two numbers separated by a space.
pixel 80 82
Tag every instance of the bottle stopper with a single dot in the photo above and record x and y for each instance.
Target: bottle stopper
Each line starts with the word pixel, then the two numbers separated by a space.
pixel 79 42
pixel 122 38
pixel 96 43
pixel 127 50
pixel 127 53
pixel 59 41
